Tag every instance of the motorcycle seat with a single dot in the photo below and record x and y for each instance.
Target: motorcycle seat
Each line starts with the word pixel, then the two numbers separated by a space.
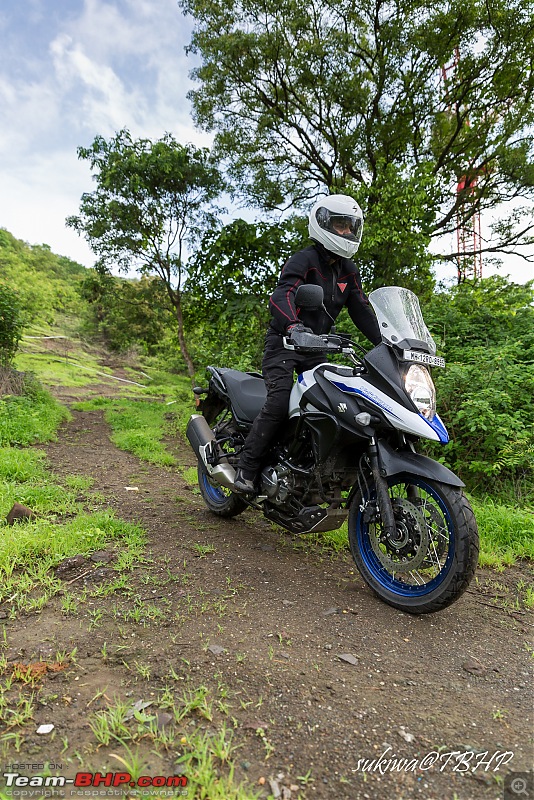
pixel 247 393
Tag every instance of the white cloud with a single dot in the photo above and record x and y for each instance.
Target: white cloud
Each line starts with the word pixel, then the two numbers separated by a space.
pixel 90 67
pixel 29 114
pixel 40 194
pixel 105 104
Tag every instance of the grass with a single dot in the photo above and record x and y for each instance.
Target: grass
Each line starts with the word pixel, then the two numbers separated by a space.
pixel 21 465
pixel 29 551
pixel 30 418
pixel 56 360
pixel 206 756
pixel 139 426
pixel 506 533
pixel 25 479
pixel 69 362
pixel 54 370
pixel 209 763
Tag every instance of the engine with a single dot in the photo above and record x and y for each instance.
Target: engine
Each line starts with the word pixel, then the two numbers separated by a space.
pixel 278 483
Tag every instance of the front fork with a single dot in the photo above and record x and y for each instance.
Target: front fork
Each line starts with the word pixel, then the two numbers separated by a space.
pixel 383 500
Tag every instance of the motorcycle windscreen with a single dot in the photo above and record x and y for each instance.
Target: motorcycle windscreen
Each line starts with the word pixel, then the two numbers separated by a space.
pixel 399 316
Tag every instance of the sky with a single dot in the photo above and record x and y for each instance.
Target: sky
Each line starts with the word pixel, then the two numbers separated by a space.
pixel 74 69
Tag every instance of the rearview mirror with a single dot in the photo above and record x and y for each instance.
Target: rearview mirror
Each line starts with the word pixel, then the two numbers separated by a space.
pixel 309 296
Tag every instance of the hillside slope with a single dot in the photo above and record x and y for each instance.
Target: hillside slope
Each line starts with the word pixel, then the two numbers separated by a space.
pixel 46 283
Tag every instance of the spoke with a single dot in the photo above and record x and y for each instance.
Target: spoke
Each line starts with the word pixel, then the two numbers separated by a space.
pixel 435 552
pixel 415 574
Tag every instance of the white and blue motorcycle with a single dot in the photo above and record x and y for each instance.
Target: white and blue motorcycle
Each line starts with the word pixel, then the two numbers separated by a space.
pixel 348 449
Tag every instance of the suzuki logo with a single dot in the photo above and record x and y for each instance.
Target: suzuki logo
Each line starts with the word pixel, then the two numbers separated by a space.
pixel 342 407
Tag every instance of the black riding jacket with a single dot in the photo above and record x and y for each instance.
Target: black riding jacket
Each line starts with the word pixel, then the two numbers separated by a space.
pixel 341 284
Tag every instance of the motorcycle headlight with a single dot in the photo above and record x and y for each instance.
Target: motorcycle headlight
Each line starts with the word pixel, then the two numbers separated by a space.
pixel 420 389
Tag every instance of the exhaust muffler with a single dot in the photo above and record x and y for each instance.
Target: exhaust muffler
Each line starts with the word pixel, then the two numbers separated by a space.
pixel 202 440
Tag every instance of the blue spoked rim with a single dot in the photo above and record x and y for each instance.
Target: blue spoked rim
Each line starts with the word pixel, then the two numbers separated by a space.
pixel 378 570
pixel 215 493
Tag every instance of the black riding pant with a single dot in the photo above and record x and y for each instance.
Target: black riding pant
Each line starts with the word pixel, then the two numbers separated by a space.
pixel 278 367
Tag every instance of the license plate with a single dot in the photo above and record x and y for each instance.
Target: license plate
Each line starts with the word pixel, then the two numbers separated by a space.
pixel 424 358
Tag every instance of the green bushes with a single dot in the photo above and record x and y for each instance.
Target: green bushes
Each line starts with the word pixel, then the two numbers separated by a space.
pixel 11 325
pixel 486 395
pixel 33 416
pixel 126 313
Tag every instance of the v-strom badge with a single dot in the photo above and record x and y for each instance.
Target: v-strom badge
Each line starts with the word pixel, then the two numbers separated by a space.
pixel 342 407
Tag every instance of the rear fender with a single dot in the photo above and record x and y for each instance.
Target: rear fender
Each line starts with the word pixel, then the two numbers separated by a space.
pixel 212 405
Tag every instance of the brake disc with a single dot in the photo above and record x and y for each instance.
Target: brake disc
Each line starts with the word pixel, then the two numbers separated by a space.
pixel 434 523
pixel 408 548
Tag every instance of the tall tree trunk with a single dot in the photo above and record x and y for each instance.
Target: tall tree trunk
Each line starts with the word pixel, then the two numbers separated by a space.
pixel 181 338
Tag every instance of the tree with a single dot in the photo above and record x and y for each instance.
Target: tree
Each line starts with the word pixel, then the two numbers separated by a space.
pixel 336 96
pixel 11 325
pixel 126 313
pixel 151 203
pixel 46 284
pixel 232 275
pixel 245 258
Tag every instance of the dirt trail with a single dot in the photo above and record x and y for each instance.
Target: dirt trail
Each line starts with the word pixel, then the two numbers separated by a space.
pixel 284 614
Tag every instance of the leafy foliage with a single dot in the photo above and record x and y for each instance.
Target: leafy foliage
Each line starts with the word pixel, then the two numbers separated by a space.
pixel 11 325
pixel 486 394
pixel 46 284
pixel 243 257
pixel 329 96
pixel 126 313
pixel 234 272
pixel 399 211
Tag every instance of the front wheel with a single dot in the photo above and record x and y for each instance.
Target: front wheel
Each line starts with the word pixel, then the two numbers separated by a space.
pixel 432 557
pixel 219 500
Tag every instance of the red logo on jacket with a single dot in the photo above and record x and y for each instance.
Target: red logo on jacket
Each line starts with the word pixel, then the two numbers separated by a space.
pixel 342 286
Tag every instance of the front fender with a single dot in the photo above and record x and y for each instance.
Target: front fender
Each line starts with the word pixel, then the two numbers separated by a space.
pixel 393 462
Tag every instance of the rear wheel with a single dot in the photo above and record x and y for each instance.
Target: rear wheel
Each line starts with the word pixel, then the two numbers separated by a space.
pixel 219 500
pixel 432 557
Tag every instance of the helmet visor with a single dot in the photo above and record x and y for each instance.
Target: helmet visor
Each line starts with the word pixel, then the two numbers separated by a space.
pixel 348 226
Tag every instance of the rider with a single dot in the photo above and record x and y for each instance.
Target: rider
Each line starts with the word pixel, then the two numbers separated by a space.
pixel 335 226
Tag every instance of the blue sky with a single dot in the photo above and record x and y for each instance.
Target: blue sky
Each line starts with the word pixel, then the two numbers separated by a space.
pixel 72 69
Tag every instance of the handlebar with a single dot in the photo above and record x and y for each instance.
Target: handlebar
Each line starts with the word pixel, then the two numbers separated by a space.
pixel 303 342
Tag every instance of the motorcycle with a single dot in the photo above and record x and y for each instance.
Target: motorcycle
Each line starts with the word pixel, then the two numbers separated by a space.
pixel 348 450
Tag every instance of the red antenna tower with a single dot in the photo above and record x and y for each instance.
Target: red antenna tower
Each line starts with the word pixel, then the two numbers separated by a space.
pixel 468 234
pixel 468 227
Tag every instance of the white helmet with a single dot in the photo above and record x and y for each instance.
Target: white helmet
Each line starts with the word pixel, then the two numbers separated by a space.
pixel 337 223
